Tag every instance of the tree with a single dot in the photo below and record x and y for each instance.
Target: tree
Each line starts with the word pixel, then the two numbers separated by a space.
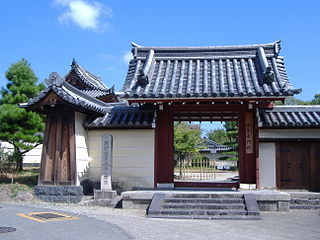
pixel 187 141
pixel 231 129
pixel 295 101
pixel 315 100
pixel 218 135
pixel 17 126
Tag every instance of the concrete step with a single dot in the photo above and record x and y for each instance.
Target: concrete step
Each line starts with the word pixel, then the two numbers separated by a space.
pixel 202 206
pixel 305 201
pixel 207 195
pixel 303 206
pixel 305 195
pixel 204 200
pixel 200 212
pixel 207 217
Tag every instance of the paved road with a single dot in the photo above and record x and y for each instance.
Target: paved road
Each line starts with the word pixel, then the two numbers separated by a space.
pixel 106 223
pixel 84 228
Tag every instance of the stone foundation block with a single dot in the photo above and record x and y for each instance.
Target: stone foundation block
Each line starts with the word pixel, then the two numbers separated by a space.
pixel 104 194
pixel 59 194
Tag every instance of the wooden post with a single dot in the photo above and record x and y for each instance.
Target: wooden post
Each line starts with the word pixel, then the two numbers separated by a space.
pixel 247 147
pixel 164 147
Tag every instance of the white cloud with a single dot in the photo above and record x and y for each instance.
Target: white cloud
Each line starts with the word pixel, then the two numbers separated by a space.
pixel 87 15
pixel 127 56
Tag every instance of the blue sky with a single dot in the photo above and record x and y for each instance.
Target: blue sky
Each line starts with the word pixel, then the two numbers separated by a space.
pixel 49 33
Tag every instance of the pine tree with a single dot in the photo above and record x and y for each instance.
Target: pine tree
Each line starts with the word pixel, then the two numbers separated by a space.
pixel 232 135
pixel 20 128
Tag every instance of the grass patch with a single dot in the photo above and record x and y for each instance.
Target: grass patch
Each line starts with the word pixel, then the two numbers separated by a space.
pixel 28 177
pixel 15 188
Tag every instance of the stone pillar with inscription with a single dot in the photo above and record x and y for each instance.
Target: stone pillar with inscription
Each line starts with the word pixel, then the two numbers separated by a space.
pixel 106 191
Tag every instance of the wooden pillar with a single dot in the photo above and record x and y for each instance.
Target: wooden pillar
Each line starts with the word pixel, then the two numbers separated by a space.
pixel 164 146
pixel 248 147
pixel 58 160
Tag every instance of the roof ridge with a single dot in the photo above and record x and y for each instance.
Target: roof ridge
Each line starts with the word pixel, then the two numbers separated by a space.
pixel 276 44
pixel 91 79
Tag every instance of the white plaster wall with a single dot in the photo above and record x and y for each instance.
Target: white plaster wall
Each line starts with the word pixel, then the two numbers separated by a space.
pixel 267 164
pixel 289 133
pixel 33 157
pixel 133 156
pixel 81 139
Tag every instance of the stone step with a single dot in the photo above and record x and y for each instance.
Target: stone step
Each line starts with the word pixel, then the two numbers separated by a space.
pixel 302 206
pixel 305 201
pixel 202 206
pixel 207 217
pixel 304 195
pixel 207 195
pixel 199 212
pixel 204 200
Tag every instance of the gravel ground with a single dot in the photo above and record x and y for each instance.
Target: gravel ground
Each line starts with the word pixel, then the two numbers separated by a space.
pixel 297 224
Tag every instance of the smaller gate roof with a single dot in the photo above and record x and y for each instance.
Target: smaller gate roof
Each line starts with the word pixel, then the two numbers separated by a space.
pixel 290 117
pixel 124 117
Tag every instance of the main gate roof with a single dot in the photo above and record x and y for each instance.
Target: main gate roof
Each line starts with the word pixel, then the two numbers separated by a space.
pixel 243 71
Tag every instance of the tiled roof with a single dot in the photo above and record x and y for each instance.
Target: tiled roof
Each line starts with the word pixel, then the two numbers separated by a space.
pixel 69 94
pixel 124 117
pixel 207 72
pixel 89 79
pixel 290 117
pixel 96 93
pixel 214 147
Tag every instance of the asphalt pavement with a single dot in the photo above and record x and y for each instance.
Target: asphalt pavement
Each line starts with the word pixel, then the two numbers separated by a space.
pixel 106 223
pixel 73 227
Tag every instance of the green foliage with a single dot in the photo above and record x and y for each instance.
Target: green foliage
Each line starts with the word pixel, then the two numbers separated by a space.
pixel 218 135
pixel 15 188
pixel 17 126
pixel 187 141
pixel 294 101
pixel 20 127
pixel 315 100
pixel 22 84
pixel 6 162
pixel 231 129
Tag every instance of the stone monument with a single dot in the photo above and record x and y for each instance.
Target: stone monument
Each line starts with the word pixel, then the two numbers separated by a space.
pixel 106 191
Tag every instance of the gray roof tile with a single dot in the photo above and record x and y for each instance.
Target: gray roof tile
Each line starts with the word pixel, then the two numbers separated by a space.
pixel 215 147
pixel 209 72
pixel 124 117
pixel 72 96
pixel 89 79
pixel 290 117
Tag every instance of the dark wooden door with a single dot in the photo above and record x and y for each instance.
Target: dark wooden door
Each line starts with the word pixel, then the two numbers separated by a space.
pixel 294 165
pixel 58 162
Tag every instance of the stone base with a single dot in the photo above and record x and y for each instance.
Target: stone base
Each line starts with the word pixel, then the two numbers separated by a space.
pixel 104 194
pixel 59 194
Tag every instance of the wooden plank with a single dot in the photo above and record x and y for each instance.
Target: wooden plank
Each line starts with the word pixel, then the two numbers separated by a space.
pixel 65 150
pixel 44 151
pixel 313 166
pixel 57 158
pixel 51 145
pixel 278 165
pixel 72 146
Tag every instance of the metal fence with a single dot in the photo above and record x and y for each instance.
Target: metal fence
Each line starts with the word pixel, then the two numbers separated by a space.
pixel 203 170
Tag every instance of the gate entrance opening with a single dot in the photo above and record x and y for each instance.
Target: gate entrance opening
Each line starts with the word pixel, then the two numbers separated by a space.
pixel 206 152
